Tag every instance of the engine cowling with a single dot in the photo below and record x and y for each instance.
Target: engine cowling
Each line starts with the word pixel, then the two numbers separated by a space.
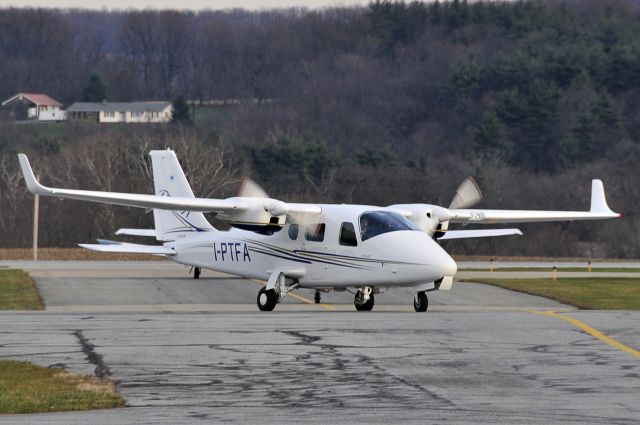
pixel 262 215
pixel 432 219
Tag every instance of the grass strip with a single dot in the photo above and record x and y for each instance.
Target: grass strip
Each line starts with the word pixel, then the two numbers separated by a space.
pixel 27 388
pixel 18 291
pixel 585 293
pixel 560 269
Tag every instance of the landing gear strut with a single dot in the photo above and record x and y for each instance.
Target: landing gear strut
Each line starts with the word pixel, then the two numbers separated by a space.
pixel 274 292
pixel 196 272
pixel 364 299
pixel 421 301
pixel 267 299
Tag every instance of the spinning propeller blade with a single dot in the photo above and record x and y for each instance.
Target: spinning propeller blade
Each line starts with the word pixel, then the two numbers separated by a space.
pixel 467 195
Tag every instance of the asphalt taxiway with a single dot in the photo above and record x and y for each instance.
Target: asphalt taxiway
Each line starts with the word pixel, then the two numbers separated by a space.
pixel 480 355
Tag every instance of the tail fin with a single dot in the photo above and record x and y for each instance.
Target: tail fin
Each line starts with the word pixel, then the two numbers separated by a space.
pixel 169 180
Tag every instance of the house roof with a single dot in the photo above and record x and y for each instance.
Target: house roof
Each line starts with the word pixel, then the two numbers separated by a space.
pixel 38 99
pixel 119 106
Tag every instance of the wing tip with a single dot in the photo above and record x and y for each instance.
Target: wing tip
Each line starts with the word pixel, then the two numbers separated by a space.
pixel 33 184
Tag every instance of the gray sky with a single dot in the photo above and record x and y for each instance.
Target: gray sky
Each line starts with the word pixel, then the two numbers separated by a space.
pixel 177 4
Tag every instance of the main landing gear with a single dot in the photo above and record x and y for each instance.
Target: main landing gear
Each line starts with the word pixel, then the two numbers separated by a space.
pixel 364 299
pixel 196 272
pixel 267 299
pixel 274 292
pixel 421 302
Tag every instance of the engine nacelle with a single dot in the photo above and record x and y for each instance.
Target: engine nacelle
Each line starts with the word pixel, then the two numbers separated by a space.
pixel 262 215
pixel 429 218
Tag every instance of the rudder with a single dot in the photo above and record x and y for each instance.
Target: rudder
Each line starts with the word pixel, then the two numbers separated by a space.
pixel 169 180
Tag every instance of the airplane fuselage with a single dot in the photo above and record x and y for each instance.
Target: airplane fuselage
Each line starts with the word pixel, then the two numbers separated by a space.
pixel 394 258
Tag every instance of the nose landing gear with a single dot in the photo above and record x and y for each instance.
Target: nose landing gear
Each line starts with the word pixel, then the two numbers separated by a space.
pixel 420 302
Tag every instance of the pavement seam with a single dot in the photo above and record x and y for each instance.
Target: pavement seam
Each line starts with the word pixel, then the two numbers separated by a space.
pixel 590 330
pixel 102 370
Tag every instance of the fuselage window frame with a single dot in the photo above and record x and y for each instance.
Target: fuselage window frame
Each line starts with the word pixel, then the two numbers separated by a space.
pixel 348 234
pixel 314 232
pixel 293 232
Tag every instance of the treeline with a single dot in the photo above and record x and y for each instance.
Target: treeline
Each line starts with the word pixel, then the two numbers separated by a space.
pixel 394 102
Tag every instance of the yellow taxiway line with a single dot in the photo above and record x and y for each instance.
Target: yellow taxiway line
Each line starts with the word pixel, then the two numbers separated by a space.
pixel 591 331
pixel 300 298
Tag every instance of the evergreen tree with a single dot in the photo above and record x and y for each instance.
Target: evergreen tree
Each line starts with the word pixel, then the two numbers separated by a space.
pixel 489 139
pixel 181 111
pixel 95 90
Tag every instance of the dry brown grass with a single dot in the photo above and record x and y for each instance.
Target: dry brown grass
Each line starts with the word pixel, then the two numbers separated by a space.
pixel 71 254
pixel 534 259
pixel 27 388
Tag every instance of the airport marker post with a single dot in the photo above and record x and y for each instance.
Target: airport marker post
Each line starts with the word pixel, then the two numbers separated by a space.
pixel 36 212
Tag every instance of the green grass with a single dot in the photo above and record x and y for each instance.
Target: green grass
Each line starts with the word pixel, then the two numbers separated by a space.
pixel 27 388
pixel 560 269
pixel 586 293
pixel 18 291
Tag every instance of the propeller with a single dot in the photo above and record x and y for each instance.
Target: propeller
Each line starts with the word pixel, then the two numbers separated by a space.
pixel 467 195
pixel 251 189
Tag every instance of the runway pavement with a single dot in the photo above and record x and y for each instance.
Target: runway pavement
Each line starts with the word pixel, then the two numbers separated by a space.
pixel 480 355
pixel 104 286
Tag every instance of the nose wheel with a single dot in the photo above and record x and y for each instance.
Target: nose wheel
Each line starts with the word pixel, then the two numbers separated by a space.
pixel 267 299
pixel 364 300
pixel 421 302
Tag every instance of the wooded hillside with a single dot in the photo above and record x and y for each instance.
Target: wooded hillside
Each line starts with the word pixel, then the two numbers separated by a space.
pixel 392 103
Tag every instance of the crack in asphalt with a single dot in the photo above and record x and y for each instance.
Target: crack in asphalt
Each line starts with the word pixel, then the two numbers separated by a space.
pixel 102 370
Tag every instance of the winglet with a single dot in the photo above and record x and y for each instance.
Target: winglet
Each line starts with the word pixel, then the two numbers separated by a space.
pixel 32 183
pixel 598 199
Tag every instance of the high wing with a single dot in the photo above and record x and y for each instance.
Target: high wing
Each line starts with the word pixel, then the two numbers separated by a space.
pixel 483 233
pixel 254 211
pixel 599 210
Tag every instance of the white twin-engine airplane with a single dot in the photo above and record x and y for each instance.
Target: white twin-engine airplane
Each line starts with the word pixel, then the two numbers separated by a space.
pixel 362 249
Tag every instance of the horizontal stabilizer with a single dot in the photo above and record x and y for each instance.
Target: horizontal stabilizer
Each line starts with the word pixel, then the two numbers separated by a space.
pixel 137 232
pixel 129 248
pixel 485 233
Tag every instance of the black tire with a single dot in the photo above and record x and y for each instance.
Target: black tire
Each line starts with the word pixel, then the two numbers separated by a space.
pixel 316 298
pixel 196 273
pixel 421 302
pixel 267 299
pixel 368 306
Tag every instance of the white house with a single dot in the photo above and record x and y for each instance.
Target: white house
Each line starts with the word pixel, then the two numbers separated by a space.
pixel 34 107
pixel 121 112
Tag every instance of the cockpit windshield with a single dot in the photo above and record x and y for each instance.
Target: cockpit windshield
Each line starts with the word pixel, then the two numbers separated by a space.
pixel 376 223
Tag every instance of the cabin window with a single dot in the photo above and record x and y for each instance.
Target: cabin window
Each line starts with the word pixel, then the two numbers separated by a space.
pixel 293 232
pixel 348 235
pixel 315 232
pixel 376 223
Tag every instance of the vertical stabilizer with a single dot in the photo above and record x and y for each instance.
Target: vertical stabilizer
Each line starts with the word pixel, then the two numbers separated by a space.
pixel 169 180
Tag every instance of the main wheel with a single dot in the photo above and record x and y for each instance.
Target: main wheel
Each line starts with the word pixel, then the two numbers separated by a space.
pixel 421 302
pixel 360 306
pixel 267 299
pixel 196 273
